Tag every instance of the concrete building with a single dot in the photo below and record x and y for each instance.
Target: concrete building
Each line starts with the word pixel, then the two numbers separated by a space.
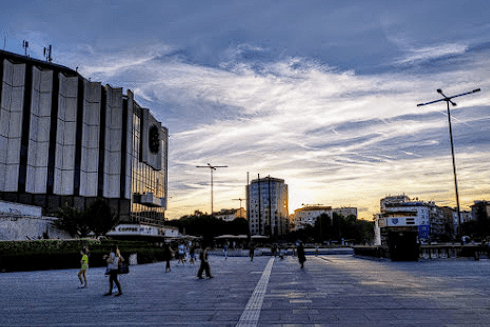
pixel 309 214
pixel 267 207
pixel 230 214
pixel 67 140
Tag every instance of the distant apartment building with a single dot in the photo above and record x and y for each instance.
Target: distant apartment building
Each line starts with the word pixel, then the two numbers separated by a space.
pixel 308 215
pixel 466 216
pixel 400 213
pixel 267 207
pixel 67 140
pixel 480 207
pixel 346 211
pixel 230 214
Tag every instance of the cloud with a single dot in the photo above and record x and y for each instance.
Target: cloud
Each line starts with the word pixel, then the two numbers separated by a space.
pixel 432 52
pixel 336 137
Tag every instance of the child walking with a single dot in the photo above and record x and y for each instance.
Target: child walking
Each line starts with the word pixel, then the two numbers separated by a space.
pixel 83 269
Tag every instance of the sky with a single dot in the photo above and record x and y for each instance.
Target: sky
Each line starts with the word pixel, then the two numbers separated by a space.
pixel 322 94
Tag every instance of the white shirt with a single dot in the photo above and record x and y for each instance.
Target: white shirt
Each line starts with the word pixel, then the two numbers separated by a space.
pixel 115 261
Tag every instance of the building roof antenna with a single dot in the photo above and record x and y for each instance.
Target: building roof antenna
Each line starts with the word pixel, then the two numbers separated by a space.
pixel 25 45
pixel 448 100
pixel 47 53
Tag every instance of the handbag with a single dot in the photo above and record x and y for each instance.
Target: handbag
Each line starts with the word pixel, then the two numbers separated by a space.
pixel 123 269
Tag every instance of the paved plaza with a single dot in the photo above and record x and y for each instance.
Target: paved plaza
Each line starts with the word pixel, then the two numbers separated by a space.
pixel 332 290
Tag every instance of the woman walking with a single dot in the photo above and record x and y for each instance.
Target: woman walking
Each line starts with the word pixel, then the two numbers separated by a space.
pixel 113 261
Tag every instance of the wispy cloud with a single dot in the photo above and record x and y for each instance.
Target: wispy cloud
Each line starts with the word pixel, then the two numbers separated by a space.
pixel 415 55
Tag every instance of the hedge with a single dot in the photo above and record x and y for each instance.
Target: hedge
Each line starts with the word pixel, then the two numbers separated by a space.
pixel 63 254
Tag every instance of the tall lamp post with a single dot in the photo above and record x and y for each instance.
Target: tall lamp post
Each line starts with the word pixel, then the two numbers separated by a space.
pixel 449 100
pixel 212 168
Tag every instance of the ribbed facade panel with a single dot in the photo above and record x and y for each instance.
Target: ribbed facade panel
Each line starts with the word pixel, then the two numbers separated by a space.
pixel 40 121
pixel 90 139
pixel 113 137
pixel 11 124
pixel 66 136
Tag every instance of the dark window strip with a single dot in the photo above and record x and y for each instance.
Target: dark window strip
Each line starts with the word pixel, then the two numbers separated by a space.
pixel 53 131
pixel 26 119
pixel 103 108
pixel 124 134
pixel 78 140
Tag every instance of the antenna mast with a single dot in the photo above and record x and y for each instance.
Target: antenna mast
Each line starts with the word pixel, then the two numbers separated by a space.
pixel 47 53
pixel 25 45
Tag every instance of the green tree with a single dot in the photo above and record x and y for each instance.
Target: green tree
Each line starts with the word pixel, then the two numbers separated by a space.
pixel 71 220
pixel 480 227
pixel 99 217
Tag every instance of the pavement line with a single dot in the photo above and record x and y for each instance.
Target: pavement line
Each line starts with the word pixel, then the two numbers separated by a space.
pixel 250 316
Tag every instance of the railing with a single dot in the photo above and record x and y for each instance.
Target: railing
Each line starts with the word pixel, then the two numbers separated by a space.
pixel 431 251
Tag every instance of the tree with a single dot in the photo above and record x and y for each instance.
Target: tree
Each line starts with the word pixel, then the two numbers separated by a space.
pixel 97 217
pixel 71 220
pixel 480 227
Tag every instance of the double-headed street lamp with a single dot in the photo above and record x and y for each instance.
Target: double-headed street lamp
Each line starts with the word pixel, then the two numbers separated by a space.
pixel 212 168
pixel 449 100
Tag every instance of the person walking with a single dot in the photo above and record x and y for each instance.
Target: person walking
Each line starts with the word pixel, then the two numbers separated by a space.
pixel 251 251
pixel 83 268
pixel 192 254
pixel 168 256
pixel 181 250
pixel 225 250
pixel 113 261
pixel 204 267
pixel 301 254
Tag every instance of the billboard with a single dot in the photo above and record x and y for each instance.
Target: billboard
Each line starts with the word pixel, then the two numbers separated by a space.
pixel 424 231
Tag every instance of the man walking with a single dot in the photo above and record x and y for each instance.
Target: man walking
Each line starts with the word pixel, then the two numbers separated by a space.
pixel 204 267
pixel 301 255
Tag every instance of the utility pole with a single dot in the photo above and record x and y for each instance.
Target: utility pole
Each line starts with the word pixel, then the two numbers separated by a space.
pixel 449 100
pixel 212 168
pixel 260 218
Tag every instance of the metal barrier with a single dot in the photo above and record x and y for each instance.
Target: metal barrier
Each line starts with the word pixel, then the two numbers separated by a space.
pixel 432 251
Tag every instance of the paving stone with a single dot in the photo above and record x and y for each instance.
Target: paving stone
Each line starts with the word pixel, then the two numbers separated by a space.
pixel 333 290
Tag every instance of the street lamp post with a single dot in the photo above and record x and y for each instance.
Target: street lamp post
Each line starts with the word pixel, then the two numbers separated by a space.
pixel 449 100
pixel 212 168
